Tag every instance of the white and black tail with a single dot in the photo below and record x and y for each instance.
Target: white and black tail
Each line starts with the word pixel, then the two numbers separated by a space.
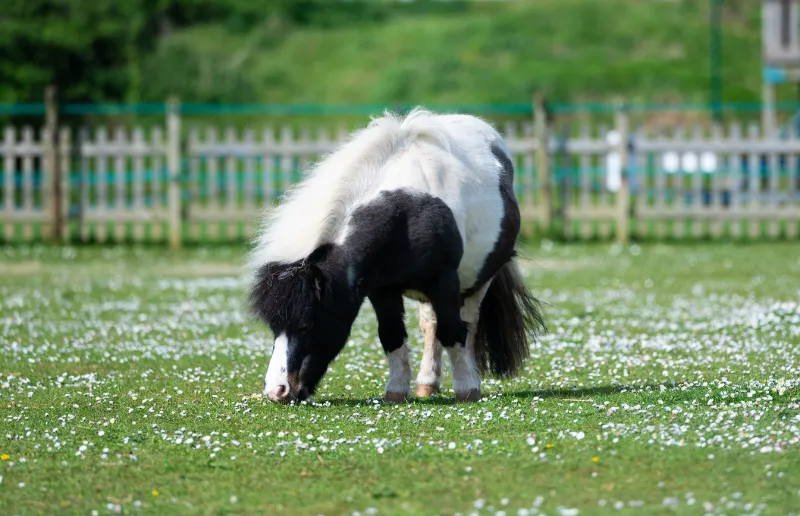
pixel 509 315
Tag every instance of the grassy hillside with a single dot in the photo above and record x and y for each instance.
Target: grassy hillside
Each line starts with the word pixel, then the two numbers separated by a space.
pixel 487 52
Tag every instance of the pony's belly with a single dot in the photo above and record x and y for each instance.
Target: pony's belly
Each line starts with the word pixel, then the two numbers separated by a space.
pixel 416 295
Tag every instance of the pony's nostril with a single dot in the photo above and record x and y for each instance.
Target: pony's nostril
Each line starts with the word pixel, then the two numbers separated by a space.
pixel 279 393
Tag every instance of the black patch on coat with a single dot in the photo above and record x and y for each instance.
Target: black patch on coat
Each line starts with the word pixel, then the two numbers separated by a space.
pixel 405 241
pixel 504 248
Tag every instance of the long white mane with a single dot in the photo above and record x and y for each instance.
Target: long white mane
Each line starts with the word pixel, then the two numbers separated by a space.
pixel 314 210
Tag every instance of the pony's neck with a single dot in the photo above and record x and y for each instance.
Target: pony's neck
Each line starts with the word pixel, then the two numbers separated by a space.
pixel 345 280
pixel 360 272
pixel 354 270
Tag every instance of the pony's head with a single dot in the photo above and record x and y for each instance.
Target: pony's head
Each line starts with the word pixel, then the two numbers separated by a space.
pixel 310 322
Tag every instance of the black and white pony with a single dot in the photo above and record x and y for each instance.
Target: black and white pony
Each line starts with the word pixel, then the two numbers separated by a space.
pixel 420 206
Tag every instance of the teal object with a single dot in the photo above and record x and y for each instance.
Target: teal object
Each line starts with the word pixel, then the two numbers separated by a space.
pixel 774 75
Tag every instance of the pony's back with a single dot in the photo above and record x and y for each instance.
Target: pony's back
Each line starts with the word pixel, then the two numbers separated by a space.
pixel 315 210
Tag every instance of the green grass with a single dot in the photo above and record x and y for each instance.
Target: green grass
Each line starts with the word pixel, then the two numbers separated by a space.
pixel 668 384
pixel 487 52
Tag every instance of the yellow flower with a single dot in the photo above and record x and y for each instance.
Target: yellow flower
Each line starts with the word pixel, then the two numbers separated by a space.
pixel 595 459
pixel 549 446
pixel 155 493
pixel 5 456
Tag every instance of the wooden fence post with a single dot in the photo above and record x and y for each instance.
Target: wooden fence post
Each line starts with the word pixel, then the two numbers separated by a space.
pixel 51 185
pixel 542 135
pixel 174 172
pixel 9 139
pixel 623 195
pixel 64 154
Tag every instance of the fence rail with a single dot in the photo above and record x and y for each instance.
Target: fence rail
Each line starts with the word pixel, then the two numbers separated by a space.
pixel 128 184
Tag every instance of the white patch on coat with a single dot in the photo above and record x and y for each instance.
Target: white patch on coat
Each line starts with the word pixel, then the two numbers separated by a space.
pixel 276 372
pixel 471 310
pixel 313 211
pixel 399 371
pixel 446 156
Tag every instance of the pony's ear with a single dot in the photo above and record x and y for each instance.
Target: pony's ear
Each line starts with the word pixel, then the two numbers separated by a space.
pixel 318 284
pixel 315 278
pixel 310 269
pixel 314 272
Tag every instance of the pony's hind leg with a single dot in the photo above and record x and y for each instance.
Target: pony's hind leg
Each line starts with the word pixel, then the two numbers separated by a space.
pixel 466 376
pixel 388 306
pixel 430 367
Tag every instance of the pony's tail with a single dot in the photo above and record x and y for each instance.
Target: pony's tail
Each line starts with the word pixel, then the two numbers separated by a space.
pixel 509 314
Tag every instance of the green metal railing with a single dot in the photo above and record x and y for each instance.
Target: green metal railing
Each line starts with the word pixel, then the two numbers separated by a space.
pixel 193 108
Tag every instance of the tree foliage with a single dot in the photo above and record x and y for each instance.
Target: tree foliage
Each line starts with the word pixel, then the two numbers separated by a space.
pixel 93 49
pixel 372 51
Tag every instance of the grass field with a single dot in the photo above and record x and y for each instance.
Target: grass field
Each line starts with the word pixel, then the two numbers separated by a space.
pixel 668 384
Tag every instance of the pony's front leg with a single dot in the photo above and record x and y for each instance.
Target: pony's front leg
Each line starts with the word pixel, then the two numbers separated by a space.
pixel 454 333
pixel 466 376
pixel 399 376
pixel 388 306
pixel 430 368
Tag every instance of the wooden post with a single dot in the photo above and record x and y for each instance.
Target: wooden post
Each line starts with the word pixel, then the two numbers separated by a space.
pixel 64 161
pixel 623 195
pixel 9 163
pixel 51 186
pixel 174 172
pixel 542 135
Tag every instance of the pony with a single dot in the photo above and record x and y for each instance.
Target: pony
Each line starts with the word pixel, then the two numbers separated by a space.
pixel 420 206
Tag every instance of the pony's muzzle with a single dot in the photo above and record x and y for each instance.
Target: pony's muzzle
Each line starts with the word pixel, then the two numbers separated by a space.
pixel 283 394
pixel 280 394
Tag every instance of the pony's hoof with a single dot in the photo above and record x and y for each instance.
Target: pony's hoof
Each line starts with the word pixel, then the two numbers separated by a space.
pixel 426 391
pixel 395 397
pixel 468 396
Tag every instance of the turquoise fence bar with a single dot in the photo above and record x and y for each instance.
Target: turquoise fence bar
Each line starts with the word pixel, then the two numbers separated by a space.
pixel 22 109
pixel 198 108
pixel 147 108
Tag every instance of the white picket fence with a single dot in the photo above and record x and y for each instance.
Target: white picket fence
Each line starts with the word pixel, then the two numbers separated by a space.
pixel 126 184
pixel 24 190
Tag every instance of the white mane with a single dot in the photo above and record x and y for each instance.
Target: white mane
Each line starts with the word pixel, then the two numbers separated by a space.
pixel 313 211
